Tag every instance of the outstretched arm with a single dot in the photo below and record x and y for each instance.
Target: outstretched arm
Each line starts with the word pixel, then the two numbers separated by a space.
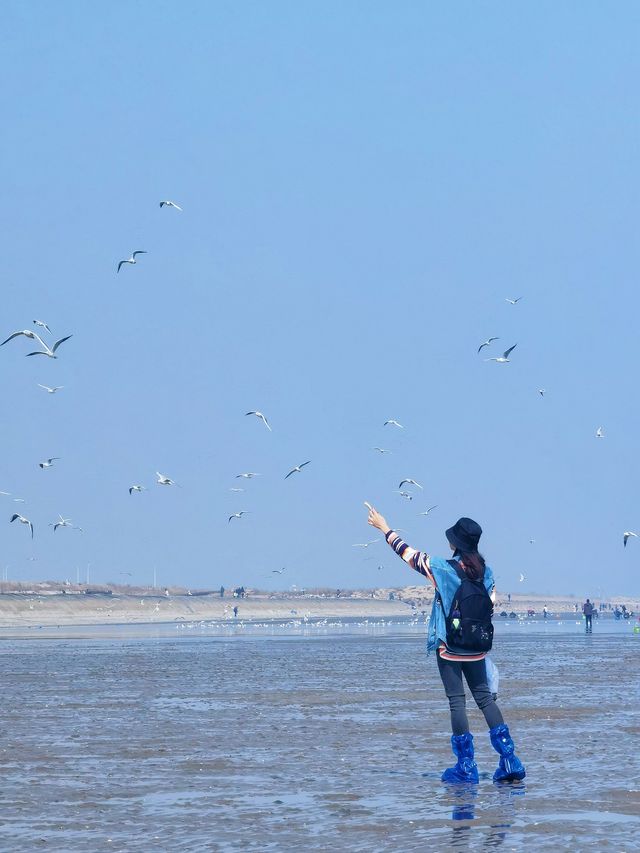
pixel 418 560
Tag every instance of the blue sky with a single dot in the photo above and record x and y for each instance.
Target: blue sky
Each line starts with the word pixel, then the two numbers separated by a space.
pixel 363 186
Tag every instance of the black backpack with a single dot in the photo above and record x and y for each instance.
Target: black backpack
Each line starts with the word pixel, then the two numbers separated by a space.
pixel 469 625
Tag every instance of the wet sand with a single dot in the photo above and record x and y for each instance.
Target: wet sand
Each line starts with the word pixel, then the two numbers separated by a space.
pixel 316 737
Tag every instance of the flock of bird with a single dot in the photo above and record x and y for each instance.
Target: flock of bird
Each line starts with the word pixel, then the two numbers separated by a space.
pixel 51 351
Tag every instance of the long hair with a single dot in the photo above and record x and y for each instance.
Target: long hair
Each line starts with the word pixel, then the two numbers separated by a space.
pixel 472 562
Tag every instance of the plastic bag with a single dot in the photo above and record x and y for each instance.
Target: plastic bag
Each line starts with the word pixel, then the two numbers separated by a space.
pixel 493 676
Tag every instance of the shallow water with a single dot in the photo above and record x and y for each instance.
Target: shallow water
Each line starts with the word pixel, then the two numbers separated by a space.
pixel 311 736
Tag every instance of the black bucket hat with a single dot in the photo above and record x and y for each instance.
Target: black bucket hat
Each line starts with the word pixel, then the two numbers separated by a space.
pixel 465 534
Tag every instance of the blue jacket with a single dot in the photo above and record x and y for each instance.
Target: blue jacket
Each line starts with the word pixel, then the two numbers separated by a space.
pixel 447 582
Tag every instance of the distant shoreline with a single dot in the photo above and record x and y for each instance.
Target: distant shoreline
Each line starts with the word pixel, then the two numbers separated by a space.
pixel 44 608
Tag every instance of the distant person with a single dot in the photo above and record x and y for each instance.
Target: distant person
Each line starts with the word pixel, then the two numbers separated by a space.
pixel 509 598
pixel 235 612
pixel 545 612
pixel 466 592
pixel 221 592
pixel 587 609
pixel 575 608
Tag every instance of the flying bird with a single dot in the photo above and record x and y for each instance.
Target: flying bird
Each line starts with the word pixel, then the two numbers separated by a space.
pixel 238 515
pixel 600 432
pixel 427 511
pixel 487 343
pixel 42 325
pixel 132 259
pixel 364 544
pixel 521 577
pixel 405 495
pixel 381 450
pixel 627 534
pixel 50 390
pixel 393 423
pixel 410 482
pixel 50 352
pixel 248 476
pixel 48 463
pixel 236 489
pixel 504 358
pixel 33 336
pixel 64 522
pixel 164 481
pixel 22 520
pixel 137 488
pixel 170 204
pixel 514 301
pixel 262 418
pixel 297 469
pixel 542 391
pixel 277 571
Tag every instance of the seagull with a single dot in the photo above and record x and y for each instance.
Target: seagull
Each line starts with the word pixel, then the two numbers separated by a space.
pixel 365 544
pixel 238 515
pixel 600 432
pixel 64 522
pixel 393 423
pixel 521 577
pixel 262 418
pixel 627 534
pixel 504 358
pixel 50 352
pixel 532 541
pixel 42 325
pixel 297 469
pixel 22 520
pixel 381 450
pixel 51 390
pixel 8 494
pixel 164 481
pixel 236 490
pixel 514 301
pixel 138 488
pixel 170 204
pixel 277 571
pixel 427 511
pixel 542 391
pixel 132 259
pixel 248 476
pixel 405 495
pixel 487 343
pixel 410 482
pixel 33 336
pixel 49 462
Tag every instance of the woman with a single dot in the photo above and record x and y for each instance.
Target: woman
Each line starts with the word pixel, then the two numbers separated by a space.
pixel 453 662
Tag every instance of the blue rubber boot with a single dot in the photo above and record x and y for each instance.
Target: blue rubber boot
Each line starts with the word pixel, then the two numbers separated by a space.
pixel 466 770
pixel 510 768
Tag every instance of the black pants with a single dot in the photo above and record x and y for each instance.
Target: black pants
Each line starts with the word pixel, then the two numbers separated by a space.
pixel 475 672
pixel 588 625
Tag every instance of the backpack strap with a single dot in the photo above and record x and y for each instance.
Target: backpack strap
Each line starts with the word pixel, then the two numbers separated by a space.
pixel 458 569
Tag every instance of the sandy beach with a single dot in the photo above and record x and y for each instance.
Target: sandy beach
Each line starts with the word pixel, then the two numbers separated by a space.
pixel 44 607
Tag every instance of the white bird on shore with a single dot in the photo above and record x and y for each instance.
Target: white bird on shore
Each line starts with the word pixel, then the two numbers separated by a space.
pixel 132 259
pixel 42 325
pixel 170 204
pixel 137 488
pixel 513 301
pixel 410 482
pixel 48 463
pixel 164 481
pixel 50 352
pixel 393 422
pixel 504 358
pixel 405 495
pixel 22 520
pixel 33 336
pixel 238 515
pixel 381 450
pixel 297 469
pixel 487 343
pixel 600 432
pixel 627 534
pixel 262 418
pixel 427 511
pixel 248 476
pixel 50 390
